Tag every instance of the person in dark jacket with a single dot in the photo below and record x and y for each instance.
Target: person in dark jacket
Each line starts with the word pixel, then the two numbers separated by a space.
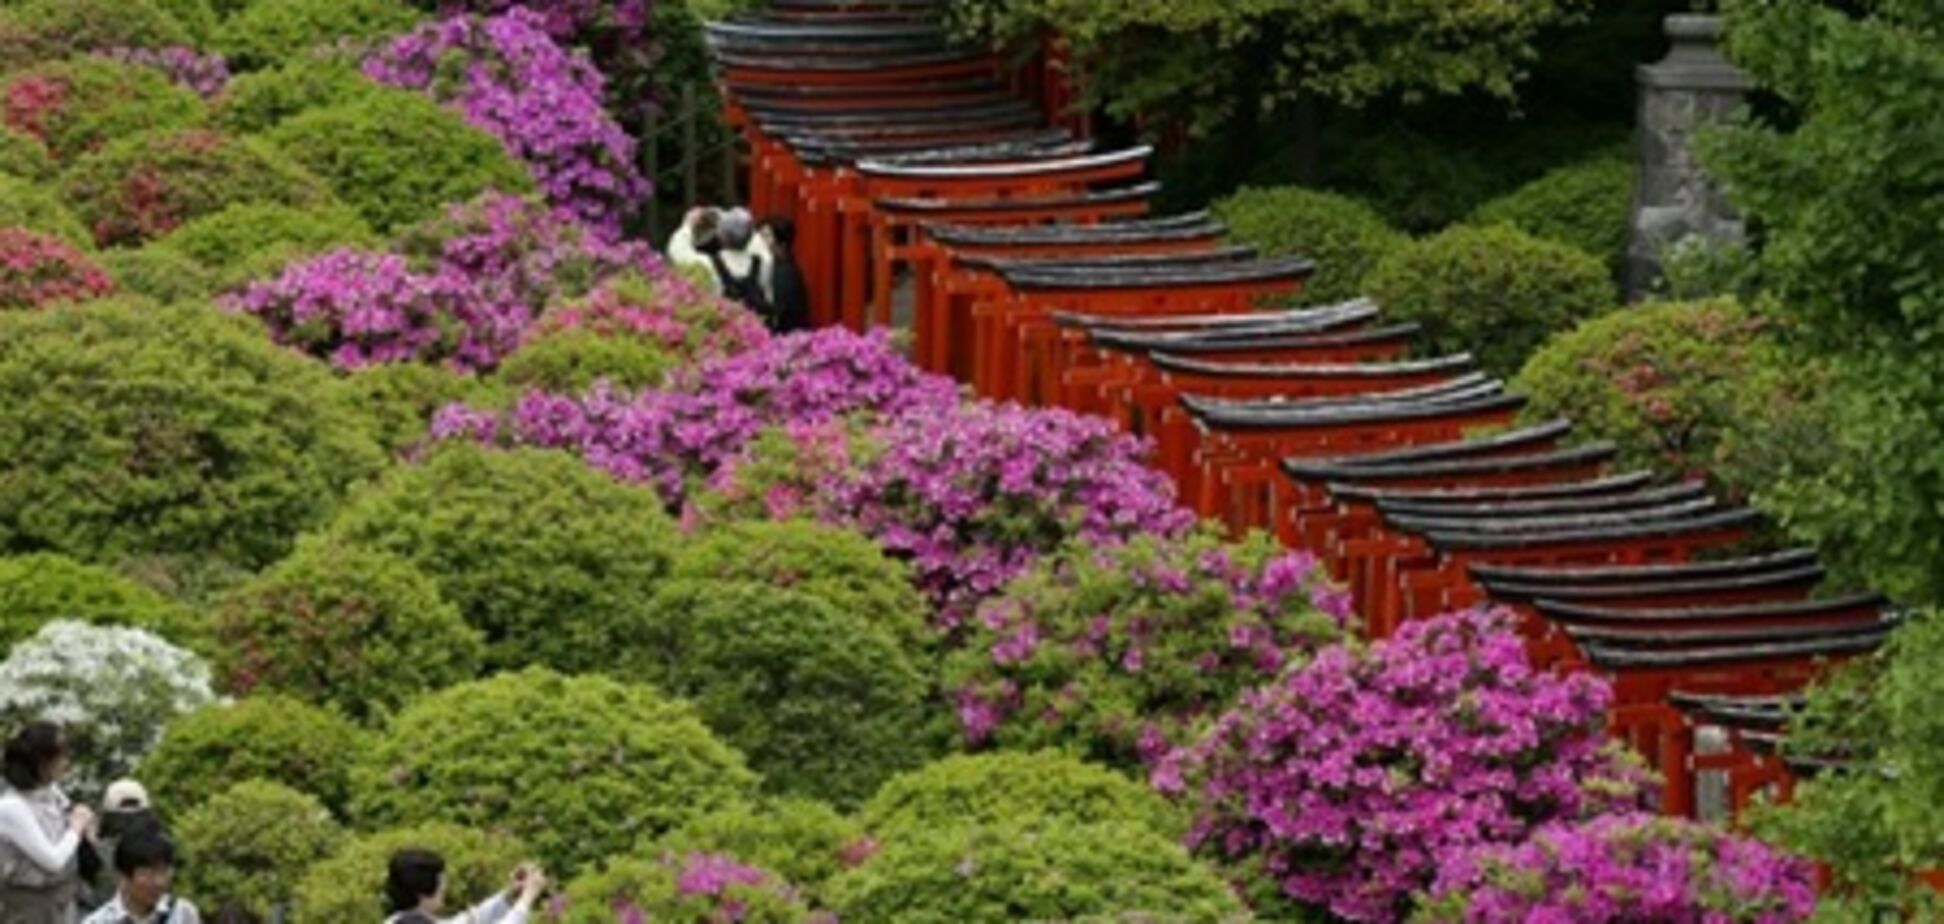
pixel 790 298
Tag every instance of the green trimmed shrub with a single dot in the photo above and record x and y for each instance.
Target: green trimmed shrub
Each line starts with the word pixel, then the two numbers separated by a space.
pixel 1345 237
pixel 251 843
pixel 256 101
pixel 24 156
pixel 397 157
pixel 158 273
pixel 40 588
pixel 28 204
pixel 554 561
pixel 1495 292
pixel 33 31
pixel 1014 788
pixel 841 567
pixel 358 630
pixel 267 33
pixel 270 738
pixel 697 887
pixel 825 703
pixel 402 398
pixel 197 17
pixel 1049 872
pixel 807 843
pixel 1584 205
pixel 133 430
pixel 581 768
pixel 142 187
pixel 571 361
pixel 257 240
pixel 350 885
pixel 81 104
pixel 1419 182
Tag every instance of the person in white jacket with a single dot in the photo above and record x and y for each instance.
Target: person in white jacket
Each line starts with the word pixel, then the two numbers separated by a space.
pixel 41 834
pixel 722 247
pixel 415 890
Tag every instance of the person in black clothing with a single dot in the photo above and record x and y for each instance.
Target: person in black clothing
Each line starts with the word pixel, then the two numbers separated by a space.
pixel 789 297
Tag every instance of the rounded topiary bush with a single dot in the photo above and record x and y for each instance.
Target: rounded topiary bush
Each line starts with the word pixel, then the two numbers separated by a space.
pixel 1042 872
pixel 581 768
pixel 682 887
pixel 158 273
pixel 41 588
pixel 144 186
pixel 24 156
pixel 555 562
pixel 398 158
pixel 192 434
pixel 1014 788
pixel 256 101
pixel 264 737
pixel 250 844
pixel 80 104
pixel 1583 205
pixel 31 206
pixel 359 630
pixel 267 33
pixel 350 884
pixel 256 240
pixel 824 703
pixel 572 361
pixel 1344 236
pixel 38 270
pixel 805 842
pixel 400 399
pixel 1494 292
pixel 44 30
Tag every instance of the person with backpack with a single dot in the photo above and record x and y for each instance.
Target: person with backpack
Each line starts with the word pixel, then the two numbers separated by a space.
pixel 743 264
pixel 415 893
pixel 146 861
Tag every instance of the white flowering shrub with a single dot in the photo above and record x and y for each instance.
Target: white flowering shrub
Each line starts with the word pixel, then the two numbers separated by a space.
pixel 113 689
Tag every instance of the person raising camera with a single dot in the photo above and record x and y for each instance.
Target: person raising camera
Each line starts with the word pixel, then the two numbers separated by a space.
pixel 415 893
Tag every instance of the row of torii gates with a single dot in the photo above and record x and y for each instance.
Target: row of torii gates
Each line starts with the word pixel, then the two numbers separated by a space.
pixel 1041 277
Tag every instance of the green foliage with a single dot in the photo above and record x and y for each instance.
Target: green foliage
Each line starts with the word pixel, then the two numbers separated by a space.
pixel 402 398
pixel 40 588
pixel 158 273
pixel 1015 787
pixel 81 104
pixel 129 430
pixel 397 157
pixel 197 17
pixel 570 361
pixel 1842 184
pixel 1044 872
pixel 256 101
pixel 251 843
pixel 268 33
pixel 28 204
pixel 1345 237
pixel 1494 292
pixel 350 885
pixel 807 843
pixel 264 737
pixel 33 31
pixel 255 240
pixel 357 630
pixel 1584 205
pixel 824 702
pixel 554 561
pixel 143 186
pixel 581 768
pixel 23 156
pixel 657 889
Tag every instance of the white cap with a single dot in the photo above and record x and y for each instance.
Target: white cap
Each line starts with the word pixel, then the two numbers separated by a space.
pixel 125 795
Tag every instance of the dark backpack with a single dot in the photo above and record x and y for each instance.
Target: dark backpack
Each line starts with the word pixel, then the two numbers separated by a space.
pixel 745 289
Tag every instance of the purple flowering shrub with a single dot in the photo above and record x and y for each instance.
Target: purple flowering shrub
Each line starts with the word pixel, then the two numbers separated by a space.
pixel 1119 652
pixel 522 250
pixel 666 309
pixel 1619 869
pixel 693 887
pixel 1347 784
pixel 206 74
pixel 511 79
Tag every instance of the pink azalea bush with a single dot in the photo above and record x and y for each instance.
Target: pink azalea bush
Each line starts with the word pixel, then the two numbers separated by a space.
pixel 512 79
pixel 1346 785
pixel 206 74
pixel 37 270
pixel 525 251
pixel 620 35
pixel 669 310
pixel 693 887
pixel 1619 869
pixel 1119 652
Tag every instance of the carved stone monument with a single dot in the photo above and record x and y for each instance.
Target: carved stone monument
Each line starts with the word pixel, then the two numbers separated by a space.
pixel 1674 202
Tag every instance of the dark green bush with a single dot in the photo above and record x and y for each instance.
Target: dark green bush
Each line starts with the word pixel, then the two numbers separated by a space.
pixel 1014 788
pixel 350 885
pixel 401 398
pixel 81 104
pixel 581 768
pixel 1494 292
pixel 807 843
pixel 38 589
pixel 1345 237
pixel 1584 205
pixel 158 273
pixel 256 240
pixel 397 157
pixel 357 630
pixel 250 845
pixel 141 187
pixel 554 561
pixel 33 31
pixel 267 33
pixel 571 361
pixel 133 430
pixel 1420 183
pixel 264 737
pixel 256 101
pixel 26 203
pixel 824 703
pixel 24 157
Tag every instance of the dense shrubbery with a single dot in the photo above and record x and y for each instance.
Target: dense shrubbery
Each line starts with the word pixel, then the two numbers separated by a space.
pixel 402 398
pixel 143 186
pixel 82 104
pixel 995 790
pixel 254 240
pixel 358 630
pixel 251 843
pixel 348 885
pixel 1494 292
pixel 261 738
pixel 266 33
pixel 1583 205
pixel 807 843
pixel 37 270
pixel 581 768
pixel 26 204
pixel 41 588
pixel 24 156
pixel 631 332
pixel 206 74
pixel 256 101
pixel 1345 237
pixel 194 435
pixel 158 273
pixel 521 250
pixel 682 887
pixel 553 561
pixel 43 30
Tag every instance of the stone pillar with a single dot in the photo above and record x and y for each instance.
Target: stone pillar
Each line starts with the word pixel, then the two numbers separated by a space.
pixel 1674 201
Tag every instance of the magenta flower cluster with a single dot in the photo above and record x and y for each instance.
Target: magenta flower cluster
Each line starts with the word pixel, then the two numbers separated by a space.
pixel 1619 869
pixel 521 250
pixel 206 74
pixel 669 311
pixel 1350 782
pixel 712 888
pixel 512 79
